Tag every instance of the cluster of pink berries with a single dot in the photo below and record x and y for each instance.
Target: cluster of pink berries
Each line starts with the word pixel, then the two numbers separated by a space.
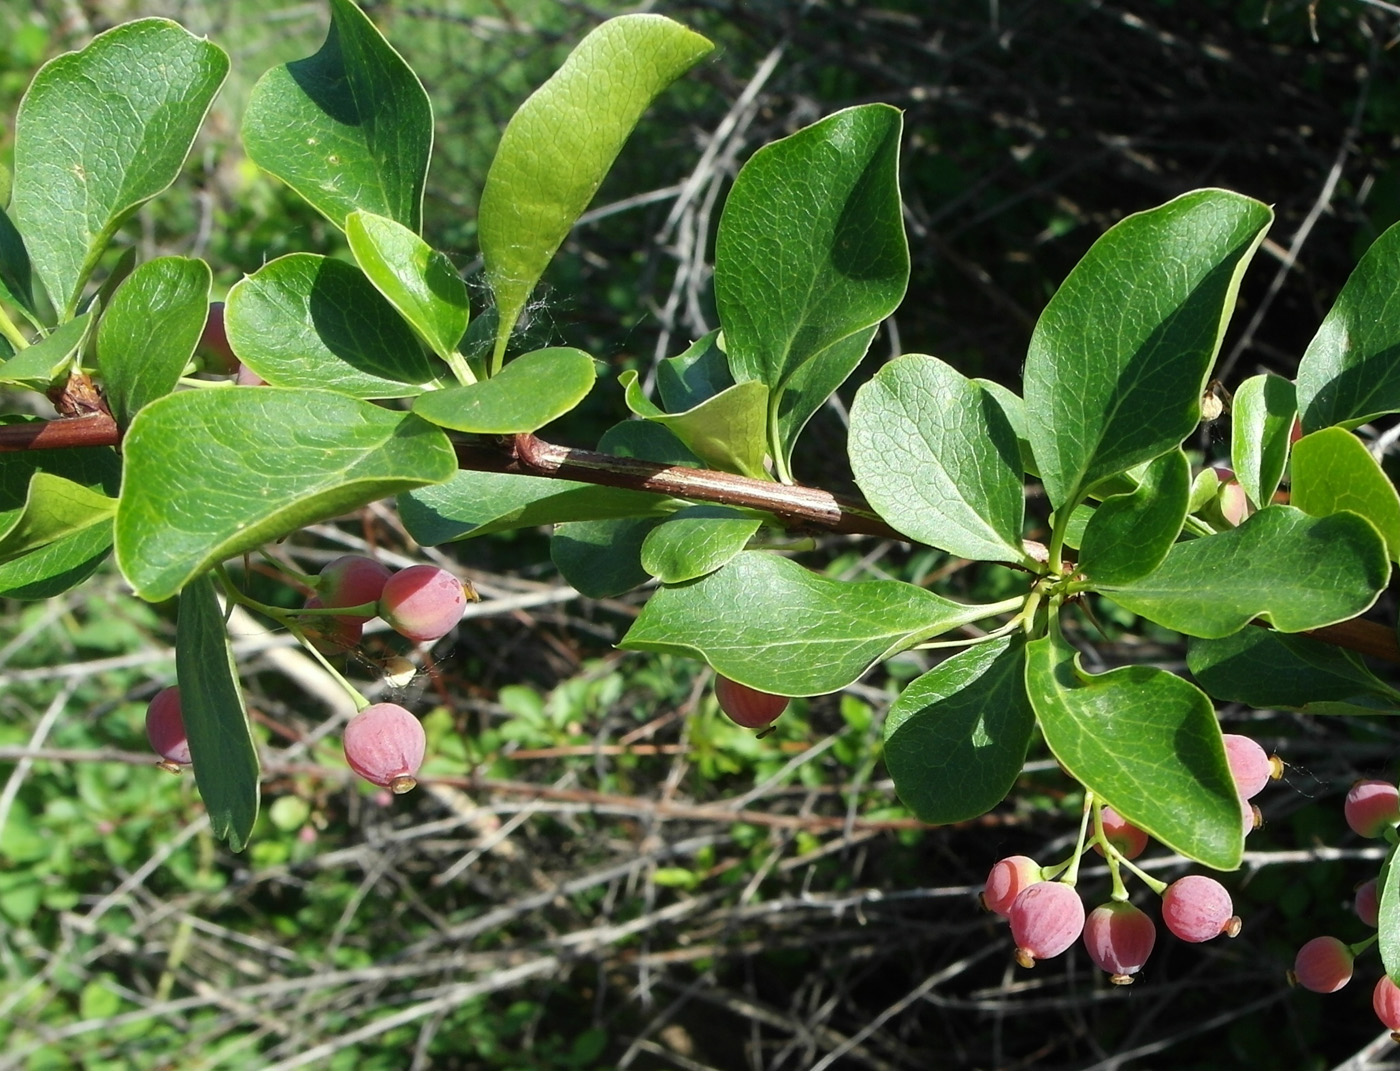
pixel 1324 964
pixel 1047 915
pixel 422 602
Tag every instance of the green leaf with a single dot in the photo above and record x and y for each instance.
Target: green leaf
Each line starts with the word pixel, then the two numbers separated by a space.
pixel 1333 471
pixel 1388 915
pixel 1144 741
pixel 415 278
pixel 695 541
pixel 1349 373
pixel 1296 572
pixel 810 255
pixel 689 378
pixel 45 363
pixel 527 394
pixel 1120 356
pixel 1273 670
pixel 936 456
pixel 310 321
pixel 472 504
pixel 1015 410
pixel 767 622
pixel 16 272
pixel 602 558
pixel 560 144
pixel 1261 423
pixel 1129 535
pixel 349 127
pixel 101 131
pixel 956 738
pixel 727 431
pixel 225 757
pixel 213 473
pixel 54 508
pixel 149 331
pixel 647 441
pixel 58 566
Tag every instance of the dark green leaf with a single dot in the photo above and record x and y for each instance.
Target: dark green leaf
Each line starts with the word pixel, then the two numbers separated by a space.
pixel 695 541
pixel 956 738
pixel 1144 741
pixel 16 273
pixel 349 127
pixel 1333 471
pixel 54 508
pixel 1129 535
pixel 727 431
pixel 1294 571
pixel 527 394
pixel 1015 410
pixel 58 566
pixel 602 558
pixel 811 385
pixel 701 372
pixel 213 473
pixel 99 132
pixel 1120 356
pixel 1261 422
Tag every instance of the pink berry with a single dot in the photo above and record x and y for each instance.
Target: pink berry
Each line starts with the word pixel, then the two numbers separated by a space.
pixel 352 580
pixel 213 345
pixel 1007 878
pixel 246 377
pixel 1322 965
pixel 1046 918
pixel 1249 764
pixel 165 728
pixel 748 706
pixel 332 635
pixel 1196 908
pixel 1119 938
pixel 1122 834
pixel 1368 904
pixel 422 602
pixel 1385 999
pixel 1372 807
pixel 384 744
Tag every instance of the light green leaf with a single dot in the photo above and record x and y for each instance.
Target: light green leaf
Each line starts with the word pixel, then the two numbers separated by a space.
pixel 1130 534
pixel 560 144
pixel 602 558
pixel 956 738
pixel 149 331
pixel 1261 422
pixel 534 389
pixel 936 456
pixel 1144 741
pixel 1294 571
pixel 689 378
pixel 46 363
pixel 695 541
pixel 727 431
pixel 415 278
pixel 58 566
pixel 213 473
pixel 1333 471
pixel 767 622
pixel 101 131
pixel 1388 914
pixel 54 508
pixel 1121 354
pixel 349 127
pixel 226 767
pixel 310 321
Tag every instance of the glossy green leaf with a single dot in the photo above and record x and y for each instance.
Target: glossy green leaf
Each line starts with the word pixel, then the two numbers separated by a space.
pixel 1349 373
pixel 727 432
pixel 1015 410
pixel 1333 471
pixel 415 278
pixel 695 541
pixel 1120 356
pixel 602 558
pixel 16 272
pixel 96 468
pixel 770 623
pixel 1276 671
pixel 1143 740
pixel 472 504
pixel 149 331
pixel 47 362
pixel 54 508
pixel 99 132
pixel 1294 571
pixel 1261 422
pixel 527 394
pixel 646 440
pixel 310 321
pixel 561 142
pixel 1130 534
pixel 810 255
pixel 936 456
pixel 58 566
pixel 698 374
pixel 1388 914
pixel 226 767
pixel 213 473
pixel 956 737
pixel 349 127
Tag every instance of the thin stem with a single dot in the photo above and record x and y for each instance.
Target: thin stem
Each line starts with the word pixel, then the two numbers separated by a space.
pixel 1155 884
pixel 459 367
pixel 11 332
pixel 1072 874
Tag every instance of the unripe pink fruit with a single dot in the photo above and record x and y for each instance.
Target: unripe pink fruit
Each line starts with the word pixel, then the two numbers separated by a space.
pixel 165 728
pixel 1250 764
pixel 332 635
pixel 1368 904
pixel 1119 938
pixel 1196 908
pixel 422 602
pixel 1046 918
pixel 748 706
pixel 384 744
pixel 213 347
pixel 1385 999
pixel 1322 965
pixel 352 580
pixel 1007 878
pixel 1122 834
pixel 1372 807
pixel 246 377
